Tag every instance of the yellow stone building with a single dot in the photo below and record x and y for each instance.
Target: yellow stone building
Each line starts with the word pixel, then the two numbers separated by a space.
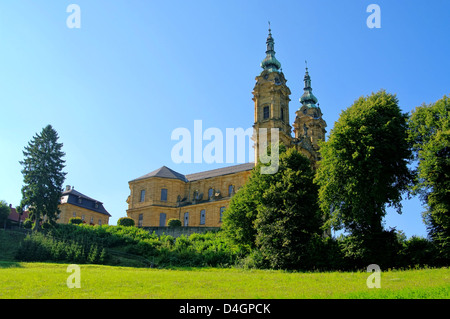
pixel 76 204
pixel 199 199
pixel 196 199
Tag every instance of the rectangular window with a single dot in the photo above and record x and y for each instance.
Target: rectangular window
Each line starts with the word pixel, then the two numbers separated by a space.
pixel 140 220
pixel 142 195
pixel 202 217
pixel 222 209
pixel 163 194
pixel 282 114
pixel 74 214
pixel 266 113
pixel 100 222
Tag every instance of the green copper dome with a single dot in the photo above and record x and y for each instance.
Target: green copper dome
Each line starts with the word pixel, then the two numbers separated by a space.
pixel 270 63
pixel 308 99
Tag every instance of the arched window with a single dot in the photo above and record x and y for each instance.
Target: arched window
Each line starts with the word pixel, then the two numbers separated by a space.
pixel 140 220
pixel 202 217
pixel 162 219
pixel 230 190
pixel 266 112
pixel 210 193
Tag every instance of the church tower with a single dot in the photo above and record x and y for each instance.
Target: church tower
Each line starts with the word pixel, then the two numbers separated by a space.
pixel 309 127
pixel 271 98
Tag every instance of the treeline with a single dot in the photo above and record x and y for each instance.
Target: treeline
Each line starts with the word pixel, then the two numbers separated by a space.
pixel 375 154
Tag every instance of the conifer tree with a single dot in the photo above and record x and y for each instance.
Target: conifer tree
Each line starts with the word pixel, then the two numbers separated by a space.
pixel 43 176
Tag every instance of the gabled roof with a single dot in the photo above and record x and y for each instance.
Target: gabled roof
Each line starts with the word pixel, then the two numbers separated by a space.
pixel 71 196
pixel 166 172
pixel 220 171
pixel 15 216
pixel 163 172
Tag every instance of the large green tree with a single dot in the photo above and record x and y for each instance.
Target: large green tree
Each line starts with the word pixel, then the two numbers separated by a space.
pixel 430 134
pixel 364 168
pixel 43 176
pixel 288 213
pixel 277 214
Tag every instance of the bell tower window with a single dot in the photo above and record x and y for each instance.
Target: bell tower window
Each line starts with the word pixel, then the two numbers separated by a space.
pixel 266 112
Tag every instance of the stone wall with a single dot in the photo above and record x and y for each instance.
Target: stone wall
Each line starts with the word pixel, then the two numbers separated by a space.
pixel 178 231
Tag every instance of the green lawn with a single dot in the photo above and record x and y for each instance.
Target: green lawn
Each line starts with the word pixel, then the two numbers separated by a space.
pixel 46 280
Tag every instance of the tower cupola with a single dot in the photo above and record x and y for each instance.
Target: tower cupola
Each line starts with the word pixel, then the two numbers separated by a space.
pixel 270 63
pixel 308 99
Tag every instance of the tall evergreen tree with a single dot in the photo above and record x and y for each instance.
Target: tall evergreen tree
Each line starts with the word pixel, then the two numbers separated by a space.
pixel 43 176
pixel 430 134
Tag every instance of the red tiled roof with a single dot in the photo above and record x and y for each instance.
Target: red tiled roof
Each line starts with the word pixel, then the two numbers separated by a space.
pixel 14 216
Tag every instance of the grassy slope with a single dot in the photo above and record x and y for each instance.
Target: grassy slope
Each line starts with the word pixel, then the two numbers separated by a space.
pixel 45 280
pixel 9 243
pixel 48 280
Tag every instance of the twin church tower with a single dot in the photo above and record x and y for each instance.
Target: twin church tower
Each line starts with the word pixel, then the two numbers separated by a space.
pixel 198 200
pixel 271 97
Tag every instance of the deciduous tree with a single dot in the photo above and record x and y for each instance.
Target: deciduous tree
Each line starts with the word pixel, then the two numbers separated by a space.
pixel 277 214
pixel 430 134
pixel 364 168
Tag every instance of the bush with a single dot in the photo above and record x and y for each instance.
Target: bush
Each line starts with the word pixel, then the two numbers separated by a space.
pixel 44 247
pixel 75 221
pixel 125 221
pixel 27 223
pixel 174 222
pixel 418 251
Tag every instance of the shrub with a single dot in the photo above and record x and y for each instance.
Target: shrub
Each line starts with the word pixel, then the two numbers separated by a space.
pixel 174 222
pixel 125 221
pixel 27 223
pixel 75 221
pixel 418 251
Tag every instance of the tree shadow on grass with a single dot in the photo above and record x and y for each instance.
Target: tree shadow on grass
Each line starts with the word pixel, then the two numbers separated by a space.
pixel 10 264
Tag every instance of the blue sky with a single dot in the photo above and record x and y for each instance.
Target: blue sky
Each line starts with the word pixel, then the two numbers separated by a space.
pixel 117 87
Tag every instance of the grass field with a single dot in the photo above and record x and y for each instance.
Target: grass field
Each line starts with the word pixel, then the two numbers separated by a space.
pixel 47 280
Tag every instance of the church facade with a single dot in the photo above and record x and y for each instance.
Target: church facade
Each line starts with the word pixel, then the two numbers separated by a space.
pixel 199 199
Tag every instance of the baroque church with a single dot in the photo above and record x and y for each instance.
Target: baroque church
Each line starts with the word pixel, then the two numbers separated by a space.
pixel 200 199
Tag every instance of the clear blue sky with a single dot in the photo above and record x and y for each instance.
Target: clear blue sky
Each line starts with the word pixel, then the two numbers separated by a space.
pixel 116 88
